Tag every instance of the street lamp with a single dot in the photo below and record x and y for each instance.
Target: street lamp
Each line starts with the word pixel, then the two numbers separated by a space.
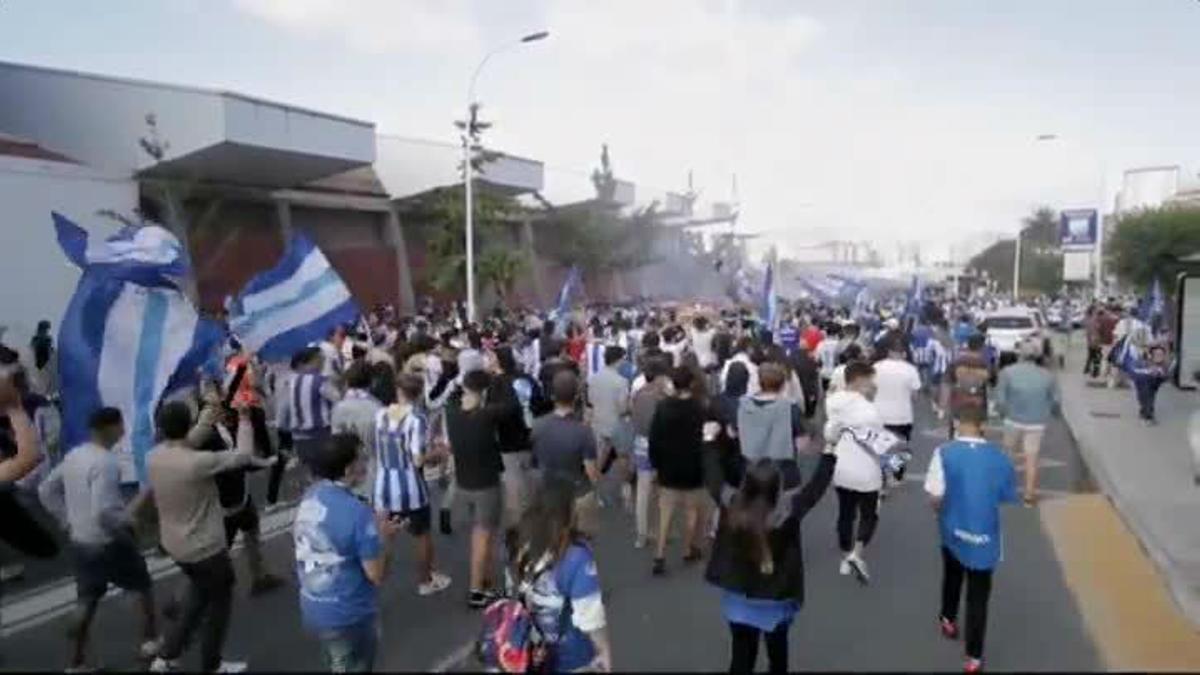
pixel 468 170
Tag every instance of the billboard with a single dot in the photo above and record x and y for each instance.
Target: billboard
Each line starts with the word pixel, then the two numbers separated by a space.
pixel 1077 265
pixel 1077 228
pixel 1147 187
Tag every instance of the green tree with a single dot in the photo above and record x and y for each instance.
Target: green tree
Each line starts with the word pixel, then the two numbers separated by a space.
pixel 496 264
pixel 1151 243
pixel 500 268
pixel 1041 256
pixel 447 245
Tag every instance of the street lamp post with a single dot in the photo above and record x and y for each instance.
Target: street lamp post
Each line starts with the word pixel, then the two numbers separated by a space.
pixel 469 134
pixel 1017 269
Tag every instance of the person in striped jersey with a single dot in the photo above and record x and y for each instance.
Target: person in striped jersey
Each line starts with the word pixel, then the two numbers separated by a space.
pixel 400 490
pixel 307 406
pixel 932 360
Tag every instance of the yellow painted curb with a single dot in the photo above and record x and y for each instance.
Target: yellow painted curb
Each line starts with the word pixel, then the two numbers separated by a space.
pixel 1123 600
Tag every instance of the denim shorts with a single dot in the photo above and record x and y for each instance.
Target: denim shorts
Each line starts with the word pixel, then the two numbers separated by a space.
pixel 350 649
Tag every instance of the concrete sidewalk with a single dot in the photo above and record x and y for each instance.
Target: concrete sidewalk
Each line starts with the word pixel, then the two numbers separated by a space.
pixel 1147 471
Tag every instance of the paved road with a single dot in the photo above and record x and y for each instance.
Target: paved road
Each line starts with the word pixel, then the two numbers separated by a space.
pixel 675 624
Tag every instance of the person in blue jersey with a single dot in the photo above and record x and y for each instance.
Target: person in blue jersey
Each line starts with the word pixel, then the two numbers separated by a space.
pixel 968 479
pixel 789 337
pixel 1148 375
pixel 551 565
pixel 306 409
pixel 963 330
pixel 400 490
pixel 341 558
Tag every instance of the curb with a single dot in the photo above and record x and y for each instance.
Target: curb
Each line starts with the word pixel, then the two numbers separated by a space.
pixel 1185 596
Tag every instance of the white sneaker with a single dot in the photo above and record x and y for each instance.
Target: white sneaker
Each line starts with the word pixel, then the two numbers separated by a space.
pixel 858 567
pixel 232 667
pixel 639 543
pixel 437 583
pixel 844 568
pixel 161 665
pixel 150 648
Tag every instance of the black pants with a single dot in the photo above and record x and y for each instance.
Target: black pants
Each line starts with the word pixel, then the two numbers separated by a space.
pixel 979 589
pixel 902 430
pixel 262 435
pixel 275 481
pixel 864 505
pixel 1147 392
pixel 1094 357
pixel 745 648
pixel 209 599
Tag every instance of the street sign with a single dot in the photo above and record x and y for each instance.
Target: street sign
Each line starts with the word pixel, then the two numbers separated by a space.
pixel 1077 229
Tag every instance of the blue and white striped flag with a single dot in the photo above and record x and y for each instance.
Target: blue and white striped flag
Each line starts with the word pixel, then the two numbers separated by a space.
pixel 770 303
pixel 916 298
pixel 291 306
pixel 563 307
pixel 129 335
pixel 1153 305
pixel 862 302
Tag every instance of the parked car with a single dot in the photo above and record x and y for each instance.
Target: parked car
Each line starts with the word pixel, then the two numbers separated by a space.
pixel 1006 329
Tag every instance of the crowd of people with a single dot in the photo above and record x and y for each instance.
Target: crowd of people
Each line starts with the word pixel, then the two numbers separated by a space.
pixel 532 426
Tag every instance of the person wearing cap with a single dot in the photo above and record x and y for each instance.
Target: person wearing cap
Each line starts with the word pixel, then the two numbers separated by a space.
pixel 1027 396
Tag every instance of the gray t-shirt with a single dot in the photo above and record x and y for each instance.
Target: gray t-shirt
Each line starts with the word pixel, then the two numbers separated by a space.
pixel 84 491
pixel 608 393
pixel 560 446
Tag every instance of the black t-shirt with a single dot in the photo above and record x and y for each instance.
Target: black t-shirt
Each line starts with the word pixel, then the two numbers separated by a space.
pixel 512 431
pixel 675 443
pixel 231 484
pixel 475 443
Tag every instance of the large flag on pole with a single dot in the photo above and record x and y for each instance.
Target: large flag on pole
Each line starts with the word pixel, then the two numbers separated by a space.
pixel 832 288
pixel 129 335
pixel 770 303
pixel 1153 304
pixel 562 307
pixel 292 305
pixel 916 299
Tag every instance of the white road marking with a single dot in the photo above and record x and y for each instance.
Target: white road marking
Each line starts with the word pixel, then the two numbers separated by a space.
pixel 454 658
pixel 39 606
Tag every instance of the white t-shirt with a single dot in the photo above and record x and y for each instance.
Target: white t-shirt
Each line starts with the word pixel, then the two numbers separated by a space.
pixel 837 381
pixel 333 359
pixel 675 349
pixel 702 345
pixel 856 469
pixel 896 381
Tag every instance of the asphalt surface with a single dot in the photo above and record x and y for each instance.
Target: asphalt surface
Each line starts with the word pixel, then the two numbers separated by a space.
pixel 674 623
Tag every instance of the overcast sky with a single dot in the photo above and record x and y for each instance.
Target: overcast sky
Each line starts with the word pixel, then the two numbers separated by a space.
pixel 881 120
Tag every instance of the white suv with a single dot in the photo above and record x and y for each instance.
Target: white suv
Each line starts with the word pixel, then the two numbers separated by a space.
pixel 1007 328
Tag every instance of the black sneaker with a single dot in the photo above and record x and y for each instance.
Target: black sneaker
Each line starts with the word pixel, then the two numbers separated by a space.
pixel 659 568
pixel 693 556
pixel 444 522
pixel 480 599
pixel 265 584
